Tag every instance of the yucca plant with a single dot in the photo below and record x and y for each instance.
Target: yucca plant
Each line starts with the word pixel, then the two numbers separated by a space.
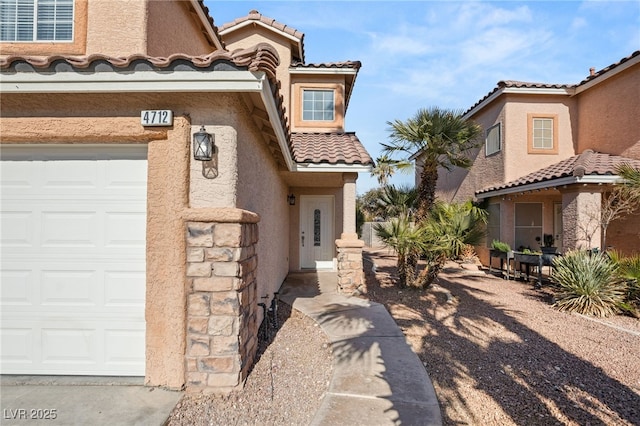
pixel 588 284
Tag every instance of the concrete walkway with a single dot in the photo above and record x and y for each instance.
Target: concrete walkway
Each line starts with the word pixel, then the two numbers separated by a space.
pixel 377 378
pixel 60 400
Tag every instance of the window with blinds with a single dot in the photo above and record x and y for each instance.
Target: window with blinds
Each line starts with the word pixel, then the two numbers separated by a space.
pixel 493 140
pixel 36 20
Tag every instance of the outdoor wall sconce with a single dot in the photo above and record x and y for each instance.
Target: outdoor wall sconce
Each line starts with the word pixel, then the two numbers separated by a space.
pixel 203 145
pixel 291 199
pixel 204 149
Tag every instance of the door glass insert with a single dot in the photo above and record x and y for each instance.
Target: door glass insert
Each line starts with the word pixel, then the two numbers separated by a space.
pixel 316 228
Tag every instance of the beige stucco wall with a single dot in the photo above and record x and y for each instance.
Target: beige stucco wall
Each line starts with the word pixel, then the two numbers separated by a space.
pixel 126 27
pixel 117 27
pixel 516 159
pixel 261 189
pixel 251 35
pixel 609 115
pixel 460 184
pixel 24 121
pixel 624 234
pixel 112 118
pixel 173 27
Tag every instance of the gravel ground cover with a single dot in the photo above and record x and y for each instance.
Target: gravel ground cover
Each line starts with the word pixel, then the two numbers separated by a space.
pixel 499 354
pixel 496 351
pixel 285 386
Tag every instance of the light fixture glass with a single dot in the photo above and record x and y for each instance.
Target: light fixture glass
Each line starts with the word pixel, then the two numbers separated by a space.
pixel 203 145
pixel 291 199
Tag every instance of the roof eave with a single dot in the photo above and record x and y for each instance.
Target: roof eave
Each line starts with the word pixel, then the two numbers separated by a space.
pixel 605 76
pixel 296 40
pixel 552 183
pixel 204 18
pixel 333 168
pixel 568 91
pixel 152 81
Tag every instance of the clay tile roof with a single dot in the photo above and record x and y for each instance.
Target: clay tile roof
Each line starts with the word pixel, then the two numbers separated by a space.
pixel 262 57
pixel 587 163
pixel 506 84
pixel 345 64
pixel 609 68
pixel 329 148
pixel 528 85
pixel 254 15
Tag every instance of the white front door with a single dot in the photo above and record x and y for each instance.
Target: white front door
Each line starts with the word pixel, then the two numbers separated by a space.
pixel 72 288
pixel 316 232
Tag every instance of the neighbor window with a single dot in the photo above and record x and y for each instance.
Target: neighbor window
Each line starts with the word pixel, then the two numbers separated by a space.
pixel 492 144
pixel 493 223
pixel 318 105
pixel 528 225
pixel 543 138
pixel 36 20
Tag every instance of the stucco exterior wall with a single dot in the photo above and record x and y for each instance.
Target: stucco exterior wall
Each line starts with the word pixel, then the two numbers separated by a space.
pixel 173 27
pixel 249 36
pixel 517 161
pixel 623 234
pixel 175 187
pixel 166 198
pixel 319 82
pixel 117 27
pixel 460 185
pixel 609 114
pixel 262 190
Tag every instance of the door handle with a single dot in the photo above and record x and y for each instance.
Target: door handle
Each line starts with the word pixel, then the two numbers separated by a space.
pixel 303 241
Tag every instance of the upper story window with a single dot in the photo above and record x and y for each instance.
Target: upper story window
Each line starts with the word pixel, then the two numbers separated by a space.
pixel 543 134
pixel 493 143
pixel 36 20
pixel 318 105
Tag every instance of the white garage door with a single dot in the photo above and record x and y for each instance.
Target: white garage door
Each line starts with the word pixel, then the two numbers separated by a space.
pixel 73 260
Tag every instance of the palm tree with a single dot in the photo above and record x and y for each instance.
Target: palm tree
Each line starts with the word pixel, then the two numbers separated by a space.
pixel 386 167
pixel 439 138
pixel 407 241
pixel 397 201
pixel 631 176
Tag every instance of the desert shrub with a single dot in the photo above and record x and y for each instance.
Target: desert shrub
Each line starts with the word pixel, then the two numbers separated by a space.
pixel 629 270
pixel 588 284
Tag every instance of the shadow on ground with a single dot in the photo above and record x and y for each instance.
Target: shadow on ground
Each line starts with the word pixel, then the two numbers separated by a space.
pixel 532 384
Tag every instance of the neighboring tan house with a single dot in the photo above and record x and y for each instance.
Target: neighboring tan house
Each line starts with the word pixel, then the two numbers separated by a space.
pixel 549 157
pixel 123 254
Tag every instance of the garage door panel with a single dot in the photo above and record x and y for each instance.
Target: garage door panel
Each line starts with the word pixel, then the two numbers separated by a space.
pixel 17 229
pixel 70 228
pixel 70 288
pixel 125 229
pixel 124 288
pixel 72 276
pixel 117 287
pixel 17 288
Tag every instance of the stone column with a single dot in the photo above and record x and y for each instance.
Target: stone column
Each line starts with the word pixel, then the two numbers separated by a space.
pixel 581 210
pixel 221 304
pixel 349 247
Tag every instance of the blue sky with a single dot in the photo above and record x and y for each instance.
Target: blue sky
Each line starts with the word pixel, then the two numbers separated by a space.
pixel 449 54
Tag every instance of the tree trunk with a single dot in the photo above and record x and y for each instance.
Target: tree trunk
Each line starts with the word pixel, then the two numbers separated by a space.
pixel 426 190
